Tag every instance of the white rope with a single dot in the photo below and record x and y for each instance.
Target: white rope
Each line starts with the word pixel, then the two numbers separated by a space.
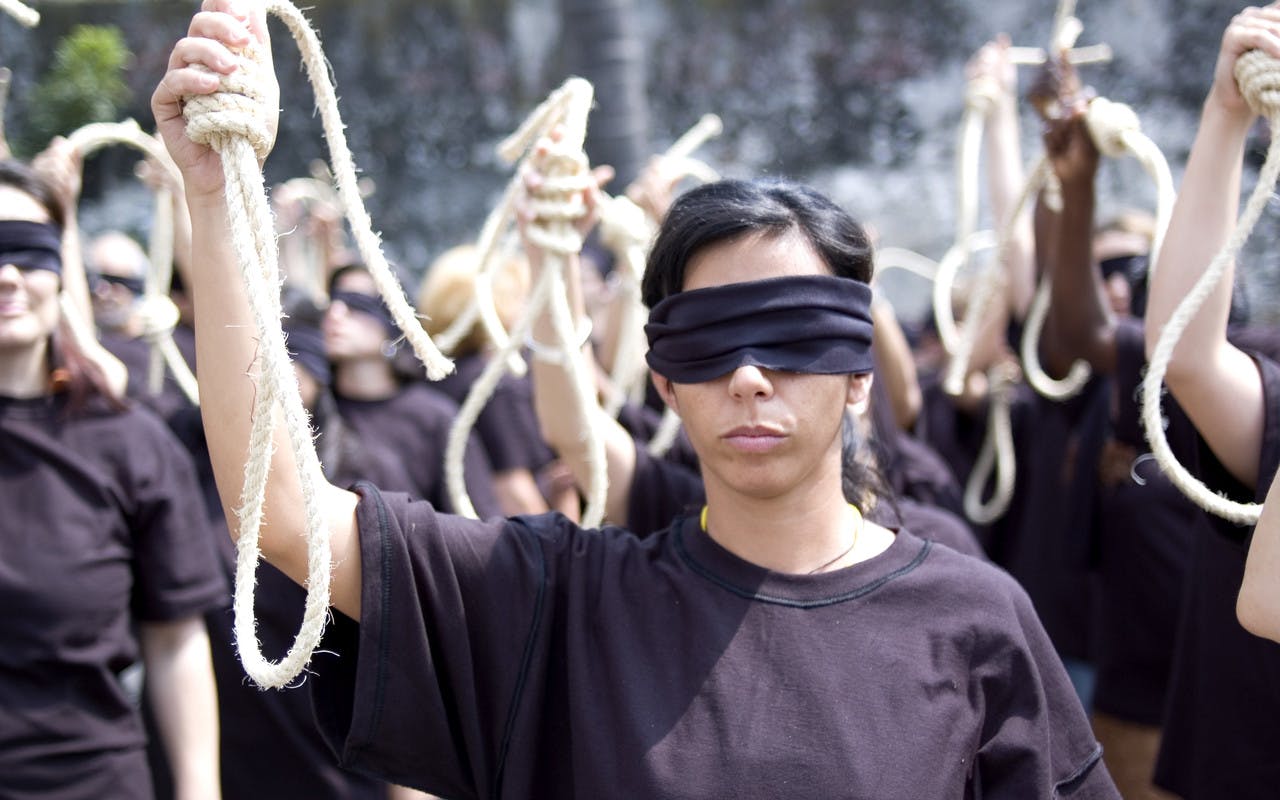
pixel 989 287
pixel 997 454
pixel 665 436
pixel 1116 131
pixel 231 122
pixel 557 204
pixel 25 15
pixel 906 260
pixel 1258 76
pixel 158 315
pixel 628 232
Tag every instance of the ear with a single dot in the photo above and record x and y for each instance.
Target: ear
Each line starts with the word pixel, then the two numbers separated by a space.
pixel 859 392
pixel 666 390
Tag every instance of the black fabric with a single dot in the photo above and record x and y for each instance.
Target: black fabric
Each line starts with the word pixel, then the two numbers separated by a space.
pixel 31 245
pixel 1144 528
pixel 367 304
pixel 531 658
pixel 415 423
pixel 103 528
pixel 1223 717
pixel 136 286
pixel 807 323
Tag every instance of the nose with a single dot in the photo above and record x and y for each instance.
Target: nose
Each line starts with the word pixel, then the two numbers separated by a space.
pixel 9 273
pixel 750 381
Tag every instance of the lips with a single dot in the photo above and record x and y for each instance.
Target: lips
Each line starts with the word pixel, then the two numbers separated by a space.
pixel 754 438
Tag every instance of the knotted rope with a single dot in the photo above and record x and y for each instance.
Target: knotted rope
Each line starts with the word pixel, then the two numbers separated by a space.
pixel 232 122
pixel 557 204
pixel 997 452
pixel 1117 132
pixel 25 15
pixel 158 313
pixel 1258 77
pixel 628 232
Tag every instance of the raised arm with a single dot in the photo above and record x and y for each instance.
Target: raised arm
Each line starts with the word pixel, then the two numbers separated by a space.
pixel 1080 324
pixel 225 332
pixel 1207 374
pixel 1259 604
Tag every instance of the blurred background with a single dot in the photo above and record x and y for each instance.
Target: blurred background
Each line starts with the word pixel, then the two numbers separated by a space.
pixel 861 98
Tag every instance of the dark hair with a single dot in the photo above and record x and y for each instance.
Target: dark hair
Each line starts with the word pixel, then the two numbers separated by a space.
pixel 725 210
pixel 71 371
pixel 729 209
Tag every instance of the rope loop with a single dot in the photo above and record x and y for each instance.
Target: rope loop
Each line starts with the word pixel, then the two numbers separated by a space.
pixel 235 111
pixel 159 316
pixel 1258 76
pixel 1111 124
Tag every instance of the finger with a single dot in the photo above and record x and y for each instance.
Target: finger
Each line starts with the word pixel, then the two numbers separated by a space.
pixel 602 175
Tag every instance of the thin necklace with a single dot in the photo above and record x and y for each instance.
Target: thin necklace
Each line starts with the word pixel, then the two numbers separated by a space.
pixel 861 523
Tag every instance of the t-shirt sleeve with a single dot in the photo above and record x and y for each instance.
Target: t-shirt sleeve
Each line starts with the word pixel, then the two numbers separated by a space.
pixel 176 568
pixel 422 690
pixel 1036 740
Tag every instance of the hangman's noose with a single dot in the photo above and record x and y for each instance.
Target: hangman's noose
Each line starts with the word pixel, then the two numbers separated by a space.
pixel 1116 132
pixel 25 15
pixel 231 122
pixel 628 232
pixel 557 205
pixel 160 316
pixel 1258 76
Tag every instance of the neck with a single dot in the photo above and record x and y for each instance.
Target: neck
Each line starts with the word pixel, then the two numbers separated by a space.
pixel 24 372
pixel 365 379
pixel 795 533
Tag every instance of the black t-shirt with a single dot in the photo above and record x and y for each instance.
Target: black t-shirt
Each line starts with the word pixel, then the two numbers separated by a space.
pixel 508 424
pixel 1223 719
pixel 415 423
pixel 103 527
pixel 1143 528
pixel 531 658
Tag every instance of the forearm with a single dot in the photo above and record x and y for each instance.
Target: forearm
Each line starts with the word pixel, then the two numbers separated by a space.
pixel 1006 179
pixel 181 689
pixel 561 418
pixel 1080 324
pixel 1202 220
pixel 1258 606
pixel 226 352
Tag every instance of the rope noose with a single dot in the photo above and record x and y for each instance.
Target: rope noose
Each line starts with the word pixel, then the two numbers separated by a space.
pixel 25 15
pixel 1258 76
pixel 160 316
pixel 628 232
pixel 231 123
pixel 997 453
pixel 1116 132
pixel 557 204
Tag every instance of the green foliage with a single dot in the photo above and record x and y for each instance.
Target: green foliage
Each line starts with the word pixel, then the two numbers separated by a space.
pixel 85 84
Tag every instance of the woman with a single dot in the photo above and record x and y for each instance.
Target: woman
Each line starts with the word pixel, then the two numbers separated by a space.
pixel 104 553
pixel 535 659
pixel 1224 713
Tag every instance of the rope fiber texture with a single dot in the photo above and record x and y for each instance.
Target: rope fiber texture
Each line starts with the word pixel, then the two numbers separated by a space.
pixel 158 313
pixel 1258 77
pixel 233 123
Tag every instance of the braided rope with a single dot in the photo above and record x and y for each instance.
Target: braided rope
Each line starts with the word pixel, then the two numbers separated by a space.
pixel 25 15
pixel 628 232
pixel 997 454
pixel 232 122
pixel 990 286
pixel 557 204
pixel 158 314
pixel 1117 132
pixel 1258 76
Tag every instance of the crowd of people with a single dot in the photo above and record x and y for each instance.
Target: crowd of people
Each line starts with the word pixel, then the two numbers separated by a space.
pixel 789 599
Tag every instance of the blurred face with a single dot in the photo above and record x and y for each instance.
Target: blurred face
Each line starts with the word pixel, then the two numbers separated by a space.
pixel 28 297
pixel 762 432
pixel 120 266
pixel 1114 244
pixel 349 334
